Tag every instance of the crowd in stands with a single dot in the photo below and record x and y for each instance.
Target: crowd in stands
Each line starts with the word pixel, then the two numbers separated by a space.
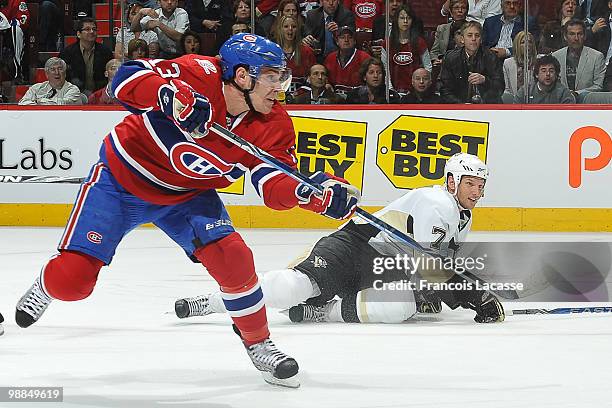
pixel 432 52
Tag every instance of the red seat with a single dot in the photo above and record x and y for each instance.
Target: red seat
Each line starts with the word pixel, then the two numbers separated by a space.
pixel 39 75
pixel 20 90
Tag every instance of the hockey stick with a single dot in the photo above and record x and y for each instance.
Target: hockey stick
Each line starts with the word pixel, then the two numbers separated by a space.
pixel 10 179
pixel 560 310
pixel 366 216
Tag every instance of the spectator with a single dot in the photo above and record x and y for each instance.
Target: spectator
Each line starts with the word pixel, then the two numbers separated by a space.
pixel 471 74
pixel 50 15
pixel 240 28
pixel 423 90
pixel 583 69
pixel 546 88
pixel 87 58
pixel 138 49
pixel 343 65
pixel 318 91
pixel 104 96
pixel 264 13
pixel 299 56
pixel 514 70
pixel 478 10
pixel 14 18
pixel 499 31
pixel 365 12
pixel 372 73
pixel 600 34
pixel 444 40
pixel 378 33
pixel 598 8
pixel 190 43
pixel 55 90
pixel 125 34
pixel 169 22
pixel 240 13
pixel 601 40
pixel 205 16
pixel 552 37
pixel 408 50
pixel 322 25
pixel 286 8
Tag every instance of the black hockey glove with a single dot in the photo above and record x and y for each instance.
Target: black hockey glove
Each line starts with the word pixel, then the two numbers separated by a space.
pixel 488 308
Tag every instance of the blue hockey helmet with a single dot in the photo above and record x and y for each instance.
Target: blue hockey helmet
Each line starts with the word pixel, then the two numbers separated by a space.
pixel 254 53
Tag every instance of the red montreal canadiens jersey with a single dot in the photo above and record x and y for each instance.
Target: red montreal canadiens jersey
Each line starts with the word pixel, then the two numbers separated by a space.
pixel 349 74
pixel 403 62
pixel 158 162
pixel 365 12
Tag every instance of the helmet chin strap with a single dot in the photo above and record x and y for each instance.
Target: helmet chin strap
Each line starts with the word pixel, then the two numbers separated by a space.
pixel 246 93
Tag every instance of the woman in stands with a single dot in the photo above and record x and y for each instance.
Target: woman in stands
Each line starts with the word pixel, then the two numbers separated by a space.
pixel 286 8
pixel 124 35
pixel 190 43
pixel 300 57
pixel 514 70
pixel 552 38
pixel 408 50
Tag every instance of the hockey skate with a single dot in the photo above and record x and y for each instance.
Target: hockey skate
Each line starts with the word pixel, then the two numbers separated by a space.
pixel 276 367
pixel 427 302
pixel 32 305
pixel 195 306
pixel 308 313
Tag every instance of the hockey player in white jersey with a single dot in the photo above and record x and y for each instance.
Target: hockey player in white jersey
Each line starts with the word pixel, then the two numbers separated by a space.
pixel 340 278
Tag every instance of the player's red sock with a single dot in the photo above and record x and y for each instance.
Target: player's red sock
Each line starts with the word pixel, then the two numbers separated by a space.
pixel 71 275
pixel 230 262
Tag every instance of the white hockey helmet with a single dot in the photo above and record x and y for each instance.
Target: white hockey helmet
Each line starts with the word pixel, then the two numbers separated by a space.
pixel 464 164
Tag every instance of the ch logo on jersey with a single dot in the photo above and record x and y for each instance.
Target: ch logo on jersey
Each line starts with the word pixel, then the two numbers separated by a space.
pixel 366 10
pixel 195 162
pixel 95 237
pixel 403 58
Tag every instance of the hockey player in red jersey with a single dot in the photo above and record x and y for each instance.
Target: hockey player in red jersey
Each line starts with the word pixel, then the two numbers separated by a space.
pixel 162 165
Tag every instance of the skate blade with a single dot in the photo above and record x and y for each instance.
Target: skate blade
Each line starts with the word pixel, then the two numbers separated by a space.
pixel 1 330
pixel 291 382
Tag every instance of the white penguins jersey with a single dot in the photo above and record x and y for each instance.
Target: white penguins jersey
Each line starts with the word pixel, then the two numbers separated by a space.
pixel 430 215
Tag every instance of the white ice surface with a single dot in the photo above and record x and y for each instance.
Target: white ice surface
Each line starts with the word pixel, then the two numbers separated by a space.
pixel 118 349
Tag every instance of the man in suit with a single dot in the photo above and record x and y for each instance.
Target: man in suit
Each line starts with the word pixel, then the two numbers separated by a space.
pixel 87 58
pixel 500 30
pixel 582 68
pixel 591 10
pixel 322 26
pixel 444 41
pixel 600 38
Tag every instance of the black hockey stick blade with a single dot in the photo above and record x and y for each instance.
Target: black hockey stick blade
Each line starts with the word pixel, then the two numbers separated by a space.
pixel 561 310
pixel 366 216
pixel 10 179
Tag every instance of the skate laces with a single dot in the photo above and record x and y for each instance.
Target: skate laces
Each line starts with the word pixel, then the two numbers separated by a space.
pixel 314 313
pixel 198 306
pixel 266 356
pixel 35 301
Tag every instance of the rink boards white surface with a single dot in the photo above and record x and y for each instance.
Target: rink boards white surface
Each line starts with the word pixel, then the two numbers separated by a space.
pixel 118 349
